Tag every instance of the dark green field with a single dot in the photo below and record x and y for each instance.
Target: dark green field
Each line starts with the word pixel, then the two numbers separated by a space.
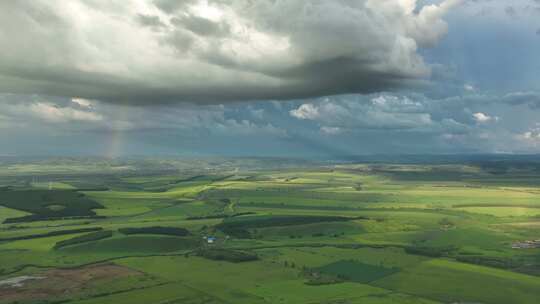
pixel 356 271
pixel 47 204
pixel 226 232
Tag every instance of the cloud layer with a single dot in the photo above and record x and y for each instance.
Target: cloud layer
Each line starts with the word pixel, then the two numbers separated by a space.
pixel 335 126
pixel 211 51
pixel 73 74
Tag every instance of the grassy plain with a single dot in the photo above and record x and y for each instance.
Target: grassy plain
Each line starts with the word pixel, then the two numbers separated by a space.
pixel 357 233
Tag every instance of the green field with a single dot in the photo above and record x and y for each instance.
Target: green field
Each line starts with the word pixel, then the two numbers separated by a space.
pixel 167 231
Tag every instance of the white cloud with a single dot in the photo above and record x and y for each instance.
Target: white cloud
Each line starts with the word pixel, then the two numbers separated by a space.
pixel 306 111
pixel 380 112
pixel 54 113
pixel 331 130
pixel 79 115
pixel 258 113
pixel 484 118
pixel 533 132
pixel 246 128
pixel 469 88
pixel 5 122
pixel 84 103
pixel 530 138
pixel 391 103
pixel 531 135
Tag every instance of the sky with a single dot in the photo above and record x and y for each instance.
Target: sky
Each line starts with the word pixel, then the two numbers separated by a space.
pixel 287 78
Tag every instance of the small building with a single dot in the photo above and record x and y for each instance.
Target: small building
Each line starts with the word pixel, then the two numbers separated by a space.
pixel 210 239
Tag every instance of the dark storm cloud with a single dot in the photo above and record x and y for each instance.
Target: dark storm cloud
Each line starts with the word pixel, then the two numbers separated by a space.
pixel 475 91
pixel 510 11
pixel 153 52
pixel 532 99
pixel 201 26
pixel 171 6
pixel 150 21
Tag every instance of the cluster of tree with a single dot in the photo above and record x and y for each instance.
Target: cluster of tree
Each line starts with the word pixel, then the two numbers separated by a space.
pixel 435 252
pixel 289 264
pixel 239 227
pixel 239 233
pixel 234 256
pixel 99 188
pixel 207 217
pixel 176 231
pixel 286 220
pixel 39 202
pixel 301 207
pixel 218 216
pixel 90 237
pixel 489 261
pixel 316 278
pixel 37 217
pixel 189 179
pixel 49 234
pixel 446 222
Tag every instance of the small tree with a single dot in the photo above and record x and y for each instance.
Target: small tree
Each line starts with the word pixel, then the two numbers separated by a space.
pixel 446 222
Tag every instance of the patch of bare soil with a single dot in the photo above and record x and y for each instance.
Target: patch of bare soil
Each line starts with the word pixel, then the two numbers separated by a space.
pixel 57 283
